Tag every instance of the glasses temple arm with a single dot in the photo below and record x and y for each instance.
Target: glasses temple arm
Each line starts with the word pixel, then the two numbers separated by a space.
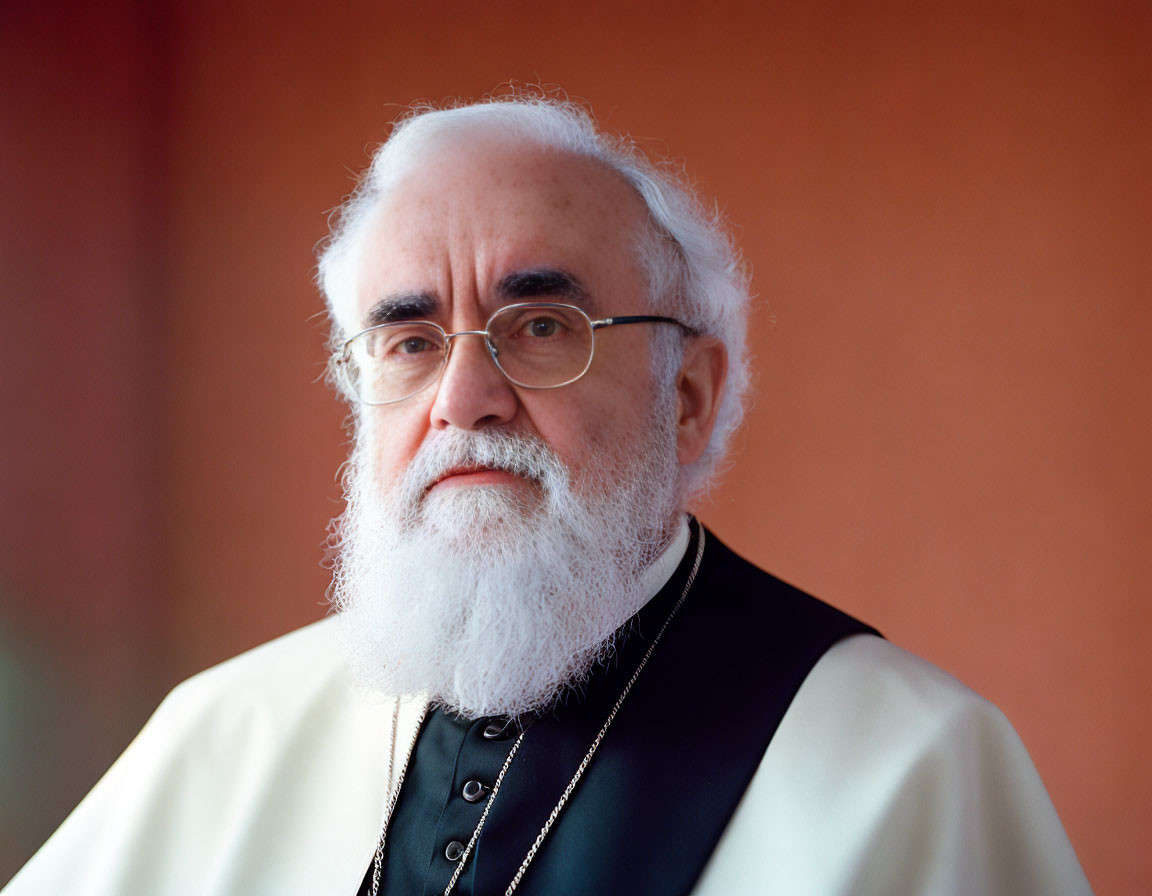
pixel 643 319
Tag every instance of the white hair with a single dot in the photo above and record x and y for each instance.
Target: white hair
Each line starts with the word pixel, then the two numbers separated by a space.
pixel 693 268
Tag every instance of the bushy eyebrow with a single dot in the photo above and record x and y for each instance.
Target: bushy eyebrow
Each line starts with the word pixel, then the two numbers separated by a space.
pixel 519 286
pixel 402 306
pixel 541 283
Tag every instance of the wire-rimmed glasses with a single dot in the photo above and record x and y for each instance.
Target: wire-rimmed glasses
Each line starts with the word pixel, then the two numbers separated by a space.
pixel 535 345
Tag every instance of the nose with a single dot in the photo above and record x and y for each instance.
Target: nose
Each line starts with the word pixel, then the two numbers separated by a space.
pixel 472 393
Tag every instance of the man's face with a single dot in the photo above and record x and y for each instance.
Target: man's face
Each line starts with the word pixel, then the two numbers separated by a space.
pixel 451 243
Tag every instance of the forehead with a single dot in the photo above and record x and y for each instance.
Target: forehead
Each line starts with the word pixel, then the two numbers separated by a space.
pixel 464 217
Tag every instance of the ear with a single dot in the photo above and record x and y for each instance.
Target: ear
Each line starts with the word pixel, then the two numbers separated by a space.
pixel 699 386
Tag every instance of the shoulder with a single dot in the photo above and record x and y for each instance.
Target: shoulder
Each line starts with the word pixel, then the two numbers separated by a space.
pixel 888 726
pixel 256 702
pixel 875 689
pixel 208 790
pixel 296 692
pixel 904 738
pixel 888 775
pixel 300 667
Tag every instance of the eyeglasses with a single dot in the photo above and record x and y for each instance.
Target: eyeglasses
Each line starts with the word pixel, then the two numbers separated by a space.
pixel 536 345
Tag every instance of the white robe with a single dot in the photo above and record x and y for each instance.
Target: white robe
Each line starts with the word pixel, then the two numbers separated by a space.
pixel 266 775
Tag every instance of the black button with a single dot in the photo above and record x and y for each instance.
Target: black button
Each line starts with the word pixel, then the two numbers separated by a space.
pixel 494 730
pixel 473 791
pixel 453 851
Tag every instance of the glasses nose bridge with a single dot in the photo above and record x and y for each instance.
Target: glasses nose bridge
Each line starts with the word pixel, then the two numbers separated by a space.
pixel 488 344
pixel 448 337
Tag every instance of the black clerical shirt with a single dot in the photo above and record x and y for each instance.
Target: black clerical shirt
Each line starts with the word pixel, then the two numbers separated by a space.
pixel 453 769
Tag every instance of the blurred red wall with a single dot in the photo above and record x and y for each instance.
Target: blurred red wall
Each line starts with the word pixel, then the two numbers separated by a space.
pixel 947 209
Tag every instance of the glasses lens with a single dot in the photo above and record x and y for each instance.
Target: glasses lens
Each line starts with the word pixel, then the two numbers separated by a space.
pixel 394 361
pixel 541 345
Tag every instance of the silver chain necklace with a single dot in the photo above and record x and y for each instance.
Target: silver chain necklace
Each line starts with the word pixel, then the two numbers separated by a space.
pixel 394 795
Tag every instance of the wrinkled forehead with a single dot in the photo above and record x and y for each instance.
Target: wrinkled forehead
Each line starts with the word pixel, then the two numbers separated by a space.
pixel 463 217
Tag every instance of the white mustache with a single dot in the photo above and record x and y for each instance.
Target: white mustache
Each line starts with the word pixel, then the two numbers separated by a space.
pixel 520 454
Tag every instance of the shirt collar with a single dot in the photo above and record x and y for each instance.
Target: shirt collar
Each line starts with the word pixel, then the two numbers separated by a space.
pixel 657 575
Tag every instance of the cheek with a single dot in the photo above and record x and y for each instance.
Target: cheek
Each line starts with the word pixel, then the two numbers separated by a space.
pixel 391 437
pixel 625 394
pixel 590 425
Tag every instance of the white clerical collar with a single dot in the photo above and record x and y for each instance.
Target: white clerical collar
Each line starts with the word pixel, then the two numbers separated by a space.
pixel 658 574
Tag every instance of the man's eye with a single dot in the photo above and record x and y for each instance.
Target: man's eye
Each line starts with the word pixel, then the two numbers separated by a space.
pixel 542 327
pixel 414 344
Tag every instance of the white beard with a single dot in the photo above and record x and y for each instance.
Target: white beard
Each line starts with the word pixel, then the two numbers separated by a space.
pixel 482 600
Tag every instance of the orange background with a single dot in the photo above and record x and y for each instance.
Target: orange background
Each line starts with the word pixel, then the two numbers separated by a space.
pixel 947 208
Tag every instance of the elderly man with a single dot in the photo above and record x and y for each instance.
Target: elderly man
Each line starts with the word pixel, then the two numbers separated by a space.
pixel 544 677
